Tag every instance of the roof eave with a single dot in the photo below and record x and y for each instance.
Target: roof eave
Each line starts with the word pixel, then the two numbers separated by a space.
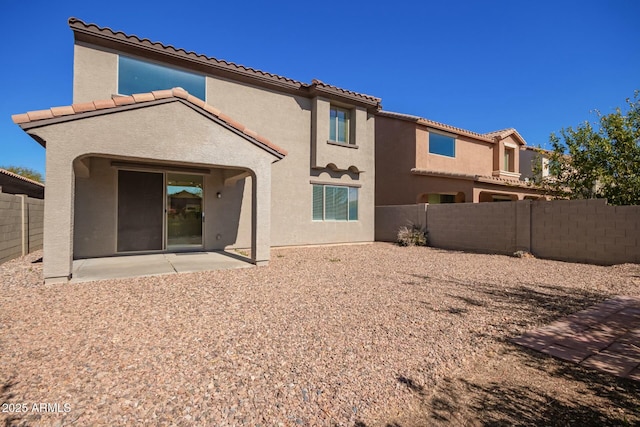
pixel 119 41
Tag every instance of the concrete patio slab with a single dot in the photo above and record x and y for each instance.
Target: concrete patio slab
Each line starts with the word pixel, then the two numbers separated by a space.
pixel 605 337
pixel 120 267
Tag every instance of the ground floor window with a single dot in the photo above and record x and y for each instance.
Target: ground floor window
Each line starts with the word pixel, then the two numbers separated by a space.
pixel 441 198
pixel 335 203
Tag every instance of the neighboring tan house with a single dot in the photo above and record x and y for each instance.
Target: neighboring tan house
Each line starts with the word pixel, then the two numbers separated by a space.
pixel 277 161
pixel 423 161
pixel 533 162
pixel 12 183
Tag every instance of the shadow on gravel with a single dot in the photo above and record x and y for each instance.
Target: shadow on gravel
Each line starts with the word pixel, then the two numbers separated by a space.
pixel 7 419
pixel 547 301
pixel 513 401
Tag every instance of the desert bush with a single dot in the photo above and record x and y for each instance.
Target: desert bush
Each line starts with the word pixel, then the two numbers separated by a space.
pixel 412 236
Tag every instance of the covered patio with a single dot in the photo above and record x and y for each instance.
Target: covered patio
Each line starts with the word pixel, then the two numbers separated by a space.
pixel 137 175
pixel 121 267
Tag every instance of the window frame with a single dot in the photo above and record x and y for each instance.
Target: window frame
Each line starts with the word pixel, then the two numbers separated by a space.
pixel 335 126
pixel 508 159
pixel 186 79
pixel 351 205
pixel 442 135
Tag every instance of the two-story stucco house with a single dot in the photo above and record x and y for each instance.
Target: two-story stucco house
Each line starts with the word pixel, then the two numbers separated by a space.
pixel 422 161
pixel 168 150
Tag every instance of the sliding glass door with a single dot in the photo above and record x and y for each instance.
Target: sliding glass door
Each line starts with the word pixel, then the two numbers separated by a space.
pixel 159 211
pixel 184 211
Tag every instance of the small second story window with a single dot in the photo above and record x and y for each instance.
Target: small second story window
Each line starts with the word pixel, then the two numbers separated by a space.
pixel 339 125
pixel 442 144
pixel 136 76
pixel 508 159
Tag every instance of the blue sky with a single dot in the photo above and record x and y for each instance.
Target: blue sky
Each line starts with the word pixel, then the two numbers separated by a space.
pixel 537 66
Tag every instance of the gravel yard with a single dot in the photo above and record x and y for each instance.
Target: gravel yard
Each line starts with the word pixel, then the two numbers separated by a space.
pixel 361 335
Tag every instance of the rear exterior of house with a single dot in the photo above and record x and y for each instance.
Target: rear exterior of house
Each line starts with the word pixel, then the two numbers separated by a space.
pixel 167 150
pixel 423 161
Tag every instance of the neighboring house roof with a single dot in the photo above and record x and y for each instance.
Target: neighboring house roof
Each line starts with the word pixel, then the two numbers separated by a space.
pixel 494 136
pixel 13 183
pixel 503 133
pixel 38 118
pixel 506 181
pixel 436 125
pixel 104 36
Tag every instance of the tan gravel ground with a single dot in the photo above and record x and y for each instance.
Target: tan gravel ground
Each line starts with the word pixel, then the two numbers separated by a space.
pixel 364 335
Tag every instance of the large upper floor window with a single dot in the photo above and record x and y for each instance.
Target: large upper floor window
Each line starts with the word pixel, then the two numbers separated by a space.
pixel 135 76
pixel 335 203
pixel 442 144
pixel 339 125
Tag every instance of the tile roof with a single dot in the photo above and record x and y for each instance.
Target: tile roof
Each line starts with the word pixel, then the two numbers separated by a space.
pixel 78 26
pixel 494 136
pixel 503 133
pixel 437 125
pixel 85 108
pixel 23 178
pixel 506 181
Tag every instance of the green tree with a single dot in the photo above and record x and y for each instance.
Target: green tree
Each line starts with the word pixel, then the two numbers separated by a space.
pixel 26 172
pixel 599 160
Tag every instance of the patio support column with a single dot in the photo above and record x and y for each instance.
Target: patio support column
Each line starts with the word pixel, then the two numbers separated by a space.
pixel 261 215
pixel 58 219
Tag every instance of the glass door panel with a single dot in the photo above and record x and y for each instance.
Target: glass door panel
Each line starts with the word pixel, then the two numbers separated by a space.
pixel 184 211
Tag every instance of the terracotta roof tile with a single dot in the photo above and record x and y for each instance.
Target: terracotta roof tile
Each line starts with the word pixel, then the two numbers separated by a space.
pixel 141 98
pixel 251 133
pixel 178 92
pixel 123 100
pixel 107 33
pixel 213 110
pixel 196 101
pixel 20 118
pixel 40 115
pixel 231 122
pixel 161 94
pixel 104 103
pixel 83 107
pixel 62 111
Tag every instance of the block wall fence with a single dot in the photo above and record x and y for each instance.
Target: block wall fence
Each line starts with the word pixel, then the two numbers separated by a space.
pixel 588 231
pixel 21 225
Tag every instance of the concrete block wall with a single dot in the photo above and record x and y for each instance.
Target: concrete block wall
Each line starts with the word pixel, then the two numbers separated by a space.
pixel 588 231
pixel 389 219
pixel 21 223
pixel 478 227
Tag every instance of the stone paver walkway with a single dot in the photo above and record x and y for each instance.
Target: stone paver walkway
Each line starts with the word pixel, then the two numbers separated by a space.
pixel 605 337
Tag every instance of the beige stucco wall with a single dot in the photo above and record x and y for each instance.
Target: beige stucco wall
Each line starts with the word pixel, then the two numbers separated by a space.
pixel 96 207
pixel 286 120
pixel 169 132
pixel 95 74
